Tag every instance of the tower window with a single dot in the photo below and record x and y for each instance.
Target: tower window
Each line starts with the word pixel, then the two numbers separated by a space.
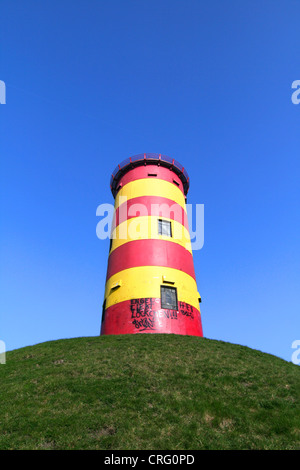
pixel 169 297
pixel 164 228
pixel 103 311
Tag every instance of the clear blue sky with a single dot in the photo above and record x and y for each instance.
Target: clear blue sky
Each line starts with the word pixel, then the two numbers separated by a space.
pixel 92 82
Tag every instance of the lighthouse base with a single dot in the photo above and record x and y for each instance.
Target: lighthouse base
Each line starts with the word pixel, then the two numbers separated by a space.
pixel 146 316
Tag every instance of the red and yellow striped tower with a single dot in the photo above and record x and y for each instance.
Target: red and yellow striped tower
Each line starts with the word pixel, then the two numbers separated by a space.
pixel 150 283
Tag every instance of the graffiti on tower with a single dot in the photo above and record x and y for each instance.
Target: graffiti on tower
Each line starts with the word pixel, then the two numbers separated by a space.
pixel 146 313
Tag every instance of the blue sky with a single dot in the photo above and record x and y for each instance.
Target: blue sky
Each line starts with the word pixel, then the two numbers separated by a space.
pixel 90 83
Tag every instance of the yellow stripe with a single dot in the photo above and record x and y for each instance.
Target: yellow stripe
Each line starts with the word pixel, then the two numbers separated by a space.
pixel 150 187
pixel 145 282
pixel 146 227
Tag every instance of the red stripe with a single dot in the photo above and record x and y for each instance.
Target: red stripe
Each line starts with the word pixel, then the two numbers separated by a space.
pixel 150 252
pixel 150 205
pixel 146 316
pixel 162 173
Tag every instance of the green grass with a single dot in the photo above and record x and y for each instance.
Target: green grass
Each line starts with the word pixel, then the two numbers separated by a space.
pixel 148 392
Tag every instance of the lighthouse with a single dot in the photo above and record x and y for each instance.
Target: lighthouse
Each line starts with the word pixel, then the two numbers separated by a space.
pixel 150 283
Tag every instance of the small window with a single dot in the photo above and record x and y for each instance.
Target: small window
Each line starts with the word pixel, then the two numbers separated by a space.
pixel 176 182
pixel 164 228
pixel 152 174
pixel 103 311
pixel 169 297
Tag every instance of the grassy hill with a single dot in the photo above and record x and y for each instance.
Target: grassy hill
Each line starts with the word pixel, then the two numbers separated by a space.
pixel 148 392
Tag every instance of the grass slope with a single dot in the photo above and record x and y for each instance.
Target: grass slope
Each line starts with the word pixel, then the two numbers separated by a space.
pixel 156 392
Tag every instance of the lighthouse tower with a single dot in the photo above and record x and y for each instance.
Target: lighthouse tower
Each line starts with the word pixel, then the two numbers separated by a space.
pixel 150 283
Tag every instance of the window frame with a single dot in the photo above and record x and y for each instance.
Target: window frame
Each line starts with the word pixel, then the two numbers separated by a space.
pixel 161 222
pixel 168 306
